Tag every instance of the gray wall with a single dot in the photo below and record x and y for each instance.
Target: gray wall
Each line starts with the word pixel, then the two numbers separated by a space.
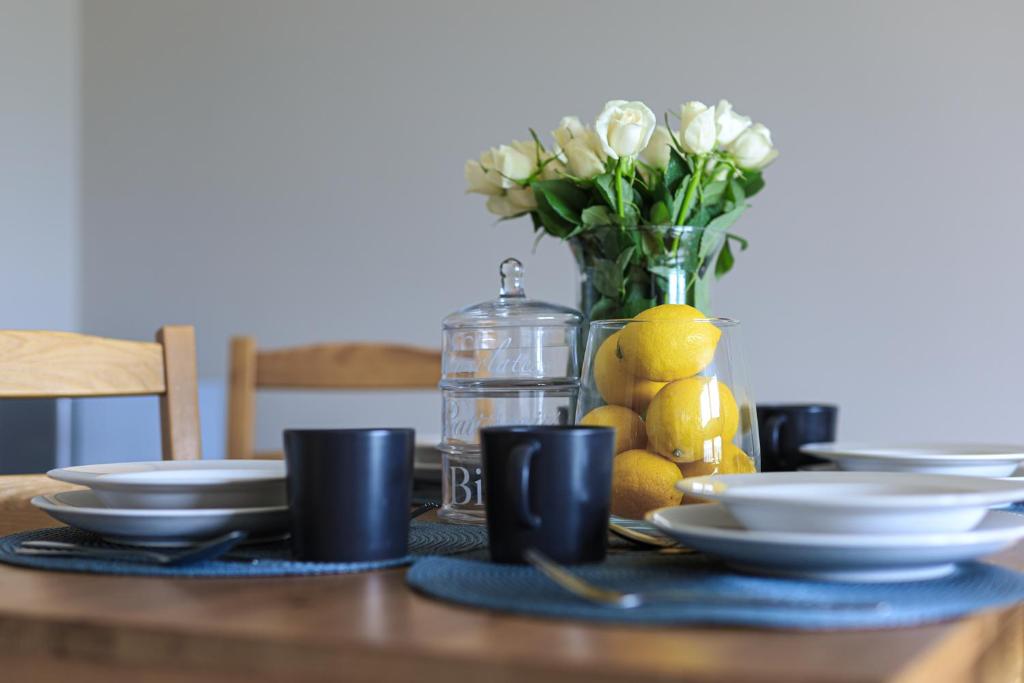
pixel 294 170
pixel 38 164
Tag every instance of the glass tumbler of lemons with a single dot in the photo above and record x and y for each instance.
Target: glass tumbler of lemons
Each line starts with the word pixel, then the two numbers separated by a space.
pixel 671 381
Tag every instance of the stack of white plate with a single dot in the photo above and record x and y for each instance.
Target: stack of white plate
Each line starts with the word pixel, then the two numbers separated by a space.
pixel 968 459
pixel 846 526
pixel 169 503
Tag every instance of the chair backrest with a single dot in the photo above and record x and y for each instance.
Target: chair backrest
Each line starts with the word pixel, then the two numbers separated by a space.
pixel 38 364
pixel 357 366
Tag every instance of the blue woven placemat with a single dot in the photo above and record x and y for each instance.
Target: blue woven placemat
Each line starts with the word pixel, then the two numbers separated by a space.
pixel 474 581
pixel 268 559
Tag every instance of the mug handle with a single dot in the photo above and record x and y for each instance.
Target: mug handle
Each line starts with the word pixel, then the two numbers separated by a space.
pixel 519 464
pixel 774 426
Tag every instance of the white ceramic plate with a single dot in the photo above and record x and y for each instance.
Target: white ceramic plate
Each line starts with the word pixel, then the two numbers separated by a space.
pixel 855 502
pixel 835 557
pixel 82 509
pixel 182 484
pixel 971 459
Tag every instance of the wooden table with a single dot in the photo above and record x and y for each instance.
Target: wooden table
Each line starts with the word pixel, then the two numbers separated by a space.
pixel 370 627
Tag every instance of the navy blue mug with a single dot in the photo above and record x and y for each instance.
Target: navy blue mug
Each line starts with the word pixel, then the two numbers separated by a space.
pixel 548 488
pixel 784 428
pixel 349 492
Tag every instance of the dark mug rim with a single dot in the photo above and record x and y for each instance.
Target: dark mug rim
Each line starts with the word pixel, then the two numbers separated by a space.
pixel 810 407
pixel 545 429
pixel 354 431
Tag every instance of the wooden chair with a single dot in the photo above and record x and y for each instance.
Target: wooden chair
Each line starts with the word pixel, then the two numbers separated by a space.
pixel 36 364
pixel 320 366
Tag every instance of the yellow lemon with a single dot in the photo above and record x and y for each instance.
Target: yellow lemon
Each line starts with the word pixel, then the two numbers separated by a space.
pixel 692 419
pixel 629 427
pixel 616 379
pixel 732 461
pixel 642 481
pixel 671 342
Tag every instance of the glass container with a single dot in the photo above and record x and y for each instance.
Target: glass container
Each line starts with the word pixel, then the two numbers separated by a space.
pixel 664 265
pixel 678 395
pixel 507 361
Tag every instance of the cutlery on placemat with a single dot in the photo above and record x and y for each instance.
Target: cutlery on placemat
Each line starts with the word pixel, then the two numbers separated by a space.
pixel 642 537
pixel 208 550
pixel 423 509
pixel 613 598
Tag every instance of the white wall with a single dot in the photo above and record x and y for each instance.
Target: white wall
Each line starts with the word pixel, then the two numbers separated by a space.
pixel 38 164
pixel 294 170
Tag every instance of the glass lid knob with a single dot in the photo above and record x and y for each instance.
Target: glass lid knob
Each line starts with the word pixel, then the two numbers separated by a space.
pixel 511 271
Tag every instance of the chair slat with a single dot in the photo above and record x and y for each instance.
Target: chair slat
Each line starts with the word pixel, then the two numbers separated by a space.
pixel 349 366
pixel 37 364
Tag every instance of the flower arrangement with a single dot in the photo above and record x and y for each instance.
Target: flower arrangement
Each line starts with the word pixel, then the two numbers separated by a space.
pixel 645 209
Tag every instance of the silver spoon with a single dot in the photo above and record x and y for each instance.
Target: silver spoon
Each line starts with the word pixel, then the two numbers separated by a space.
pixel 641 537
pixel 207 550
pixel 423 509
pixel 612 598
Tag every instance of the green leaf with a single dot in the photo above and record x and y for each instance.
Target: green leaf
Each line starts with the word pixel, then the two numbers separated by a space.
pixel 594 216
pixel 608 278
pixel 700 217
pixel 715 230
pixel 722 223
pixel 659 214
pixel 680 195
pixel 623 260
pixel 559 203
pixel 636 304
pixel 632 217
pixel 552 222
pixel 652 244
pixel 725 261
pixel 742 241
pixel 676 171
pixel 752 182
pixel 605 185
pixel 564 197
pixel 604 308
pixel 713 192
pixel 736 192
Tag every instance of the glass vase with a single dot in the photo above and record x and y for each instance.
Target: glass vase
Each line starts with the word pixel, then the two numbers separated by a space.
pixel 678 395
pixel 623 271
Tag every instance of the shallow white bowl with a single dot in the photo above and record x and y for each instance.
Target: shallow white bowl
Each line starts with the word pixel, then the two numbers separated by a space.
pixel 855 502
pixel 82 509
pixel 182 484
pixel 835 557
pixel 972 459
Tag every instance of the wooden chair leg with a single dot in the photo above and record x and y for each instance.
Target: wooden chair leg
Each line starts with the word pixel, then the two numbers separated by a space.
pixel 241 397
pixel 179 405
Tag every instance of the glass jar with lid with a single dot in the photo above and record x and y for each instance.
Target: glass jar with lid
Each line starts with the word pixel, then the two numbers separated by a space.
pixel 507 361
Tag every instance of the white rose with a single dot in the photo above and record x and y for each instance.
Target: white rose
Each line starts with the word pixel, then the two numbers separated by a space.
pixel 553 170
pixel 658 150
pixel 480 181
pixel 509 163
pixel 568 128
pixel 729 123
pixel 530 150
pixel 697 128
pixel 584 155
pixel 516 201
pixel 753 148
pixel 624 128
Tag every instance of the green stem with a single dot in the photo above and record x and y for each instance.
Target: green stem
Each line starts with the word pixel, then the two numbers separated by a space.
pixel 620 208
pixel 691 194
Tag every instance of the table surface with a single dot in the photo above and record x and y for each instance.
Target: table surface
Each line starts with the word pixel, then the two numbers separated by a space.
pixel 371 627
